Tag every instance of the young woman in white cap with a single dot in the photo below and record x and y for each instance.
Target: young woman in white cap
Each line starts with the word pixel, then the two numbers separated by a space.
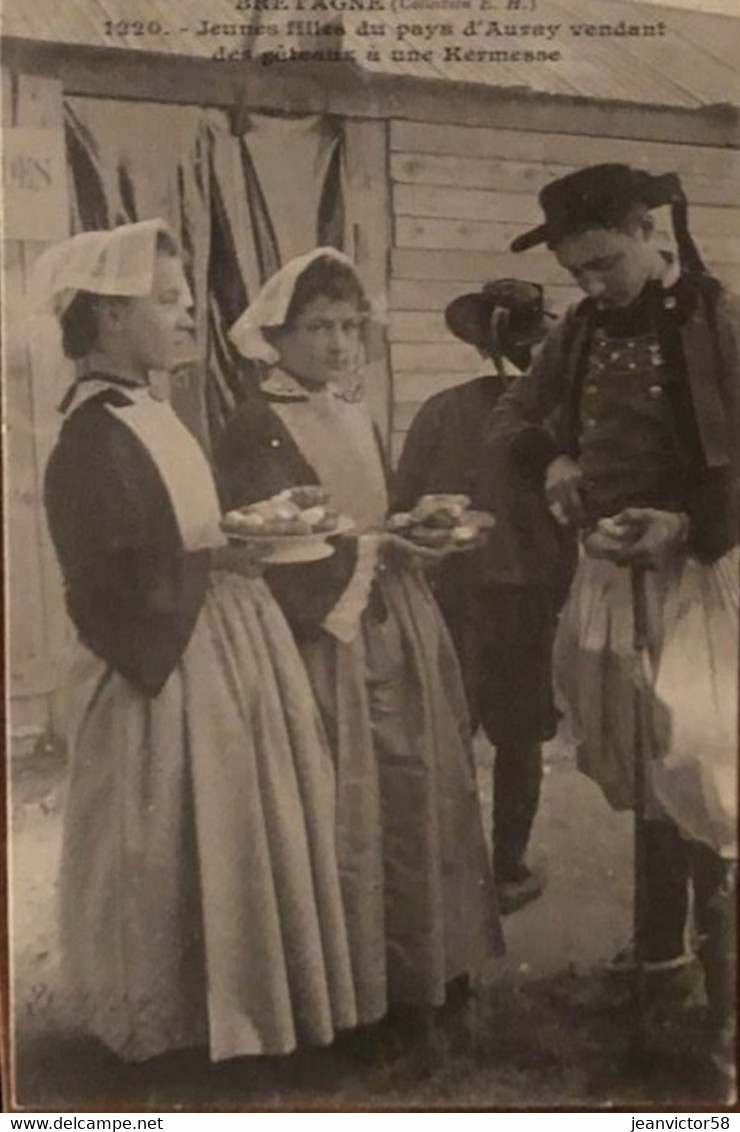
pixel 416 879
pixel 200 899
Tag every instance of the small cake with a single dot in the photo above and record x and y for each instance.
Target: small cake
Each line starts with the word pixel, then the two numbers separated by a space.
pixel 464 534
pixel 308 496
pixel 401 521
pixel 440 519
pixel 429 536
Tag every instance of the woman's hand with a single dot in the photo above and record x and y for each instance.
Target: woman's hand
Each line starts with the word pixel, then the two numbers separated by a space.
pixel 410 552
pixel 242 559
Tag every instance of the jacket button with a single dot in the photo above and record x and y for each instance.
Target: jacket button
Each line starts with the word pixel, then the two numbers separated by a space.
pixel 656 392
pixel 274 443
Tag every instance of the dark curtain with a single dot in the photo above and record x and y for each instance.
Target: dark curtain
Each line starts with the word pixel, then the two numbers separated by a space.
pixel 241 204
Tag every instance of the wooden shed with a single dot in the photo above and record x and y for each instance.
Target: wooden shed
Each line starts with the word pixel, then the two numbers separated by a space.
pixel 421 164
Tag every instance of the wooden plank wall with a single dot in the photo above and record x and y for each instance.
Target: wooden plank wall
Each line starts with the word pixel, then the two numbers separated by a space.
pixel 38 626
pixel 459 196
pixel 367 235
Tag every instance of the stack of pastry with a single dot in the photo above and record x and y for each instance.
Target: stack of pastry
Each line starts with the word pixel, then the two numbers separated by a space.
pixel 295 511
pixel 441 521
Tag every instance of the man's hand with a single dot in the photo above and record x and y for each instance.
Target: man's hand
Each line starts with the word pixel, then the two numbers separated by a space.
pixel 562 484
pixel 656 536
pixel 605 542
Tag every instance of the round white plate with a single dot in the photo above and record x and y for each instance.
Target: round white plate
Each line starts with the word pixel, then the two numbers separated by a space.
pixel 284 555
pixel 277 549
pixel 484 522
pixel 446 548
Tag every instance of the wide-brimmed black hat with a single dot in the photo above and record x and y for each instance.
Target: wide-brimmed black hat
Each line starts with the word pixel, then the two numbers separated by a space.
pixel 602 196
pixel 469 316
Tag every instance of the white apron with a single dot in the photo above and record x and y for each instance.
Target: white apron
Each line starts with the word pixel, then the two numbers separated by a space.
pixel 686 686
pixel 200 896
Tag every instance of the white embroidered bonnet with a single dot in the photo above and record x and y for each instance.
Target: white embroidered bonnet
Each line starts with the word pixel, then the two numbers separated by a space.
pixel 271 306
pixel 116 262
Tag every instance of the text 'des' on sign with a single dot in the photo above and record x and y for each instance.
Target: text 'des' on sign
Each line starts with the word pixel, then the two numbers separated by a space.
pixel 34 184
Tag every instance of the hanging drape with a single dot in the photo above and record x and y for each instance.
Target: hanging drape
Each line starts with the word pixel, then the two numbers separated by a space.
pixel 276 192
pixel 132 161
pixel 241 203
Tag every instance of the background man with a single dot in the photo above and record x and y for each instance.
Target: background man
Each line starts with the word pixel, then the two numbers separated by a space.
pixel 499 602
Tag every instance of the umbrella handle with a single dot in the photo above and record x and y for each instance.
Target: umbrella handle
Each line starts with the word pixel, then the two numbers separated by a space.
pixel 639 609
pixel 640 643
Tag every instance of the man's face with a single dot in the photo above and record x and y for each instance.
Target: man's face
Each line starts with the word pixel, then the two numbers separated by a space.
pixel 612 267
pixel 159 327
pixel 323 344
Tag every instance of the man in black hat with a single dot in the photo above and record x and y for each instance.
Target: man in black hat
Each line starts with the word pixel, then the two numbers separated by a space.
pixel 499 602
pixel 640 388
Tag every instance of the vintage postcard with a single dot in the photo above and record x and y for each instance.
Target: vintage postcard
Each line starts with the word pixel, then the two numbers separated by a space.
pixel 371 376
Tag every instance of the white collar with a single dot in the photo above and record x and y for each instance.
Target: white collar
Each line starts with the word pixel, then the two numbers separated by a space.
pixel 283 386
pixel 84 389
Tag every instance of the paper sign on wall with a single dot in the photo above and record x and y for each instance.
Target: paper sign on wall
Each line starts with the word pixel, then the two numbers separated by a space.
pixel 34 183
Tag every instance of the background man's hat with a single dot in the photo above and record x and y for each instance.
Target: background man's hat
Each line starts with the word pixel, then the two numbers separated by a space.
pixel 469 316
pixel 602 196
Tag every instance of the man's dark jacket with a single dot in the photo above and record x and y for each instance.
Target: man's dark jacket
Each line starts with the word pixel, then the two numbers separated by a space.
pixel 698 327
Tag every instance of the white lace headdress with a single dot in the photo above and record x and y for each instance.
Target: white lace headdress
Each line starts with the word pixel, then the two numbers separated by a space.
pixel 270 308
pixel 119 261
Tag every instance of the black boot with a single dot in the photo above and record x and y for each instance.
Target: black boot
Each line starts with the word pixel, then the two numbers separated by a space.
pixel 715 886
pixel 517 775
pixel 421 1035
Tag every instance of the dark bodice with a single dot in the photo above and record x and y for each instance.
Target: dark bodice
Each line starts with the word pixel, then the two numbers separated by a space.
pixel 257 457
pixel 132 591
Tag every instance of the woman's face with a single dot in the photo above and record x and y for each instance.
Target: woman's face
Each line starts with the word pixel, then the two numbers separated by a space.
pixel 323 344
pixel 157 330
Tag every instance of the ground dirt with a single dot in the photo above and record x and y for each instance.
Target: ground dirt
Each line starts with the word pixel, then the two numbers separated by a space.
pixel 546 1028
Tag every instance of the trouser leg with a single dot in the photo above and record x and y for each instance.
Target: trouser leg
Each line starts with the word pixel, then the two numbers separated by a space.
pixel 460 613
pixel 715 911
pixel 517 776
pixel 515 701
pixel 667 892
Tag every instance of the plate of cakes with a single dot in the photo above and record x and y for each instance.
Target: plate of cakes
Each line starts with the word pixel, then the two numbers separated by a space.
pixel 292 526
pixel 442 522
